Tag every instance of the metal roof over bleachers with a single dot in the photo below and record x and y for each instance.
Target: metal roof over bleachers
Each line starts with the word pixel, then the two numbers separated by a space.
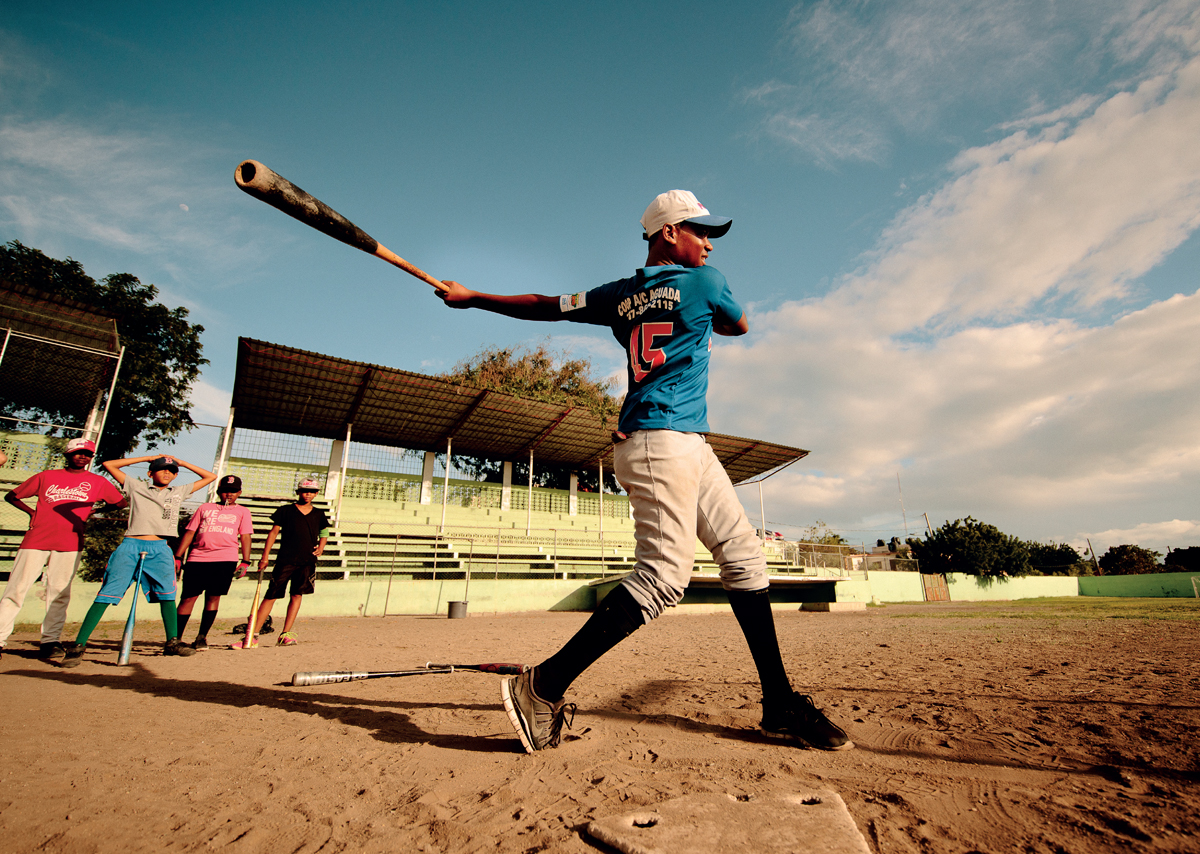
pixel 285 390
pixel 57 352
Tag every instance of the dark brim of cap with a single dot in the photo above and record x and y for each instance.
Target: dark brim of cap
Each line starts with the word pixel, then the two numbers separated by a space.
pixel 717 225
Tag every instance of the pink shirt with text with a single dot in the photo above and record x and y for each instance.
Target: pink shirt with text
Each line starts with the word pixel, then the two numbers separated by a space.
pixel 218 528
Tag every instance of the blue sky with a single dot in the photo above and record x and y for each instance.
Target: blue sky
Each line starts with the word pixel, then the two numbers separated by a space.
pixel 964 232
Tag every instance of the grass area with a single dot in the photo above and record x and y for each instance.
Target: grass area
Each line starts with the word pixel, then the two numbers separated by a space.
pixel 1065 608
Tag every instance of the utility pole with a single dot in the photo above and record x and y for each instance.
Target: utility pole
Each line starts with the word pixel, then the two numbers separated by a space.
pixel 902 513
pixel 928 527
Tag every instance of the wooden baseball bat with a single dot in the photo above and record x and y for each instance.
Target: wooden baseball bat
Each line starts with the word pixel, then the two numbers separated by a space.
pixel 279 192
pixel 127 637
pixel 253 611
pixel 493 667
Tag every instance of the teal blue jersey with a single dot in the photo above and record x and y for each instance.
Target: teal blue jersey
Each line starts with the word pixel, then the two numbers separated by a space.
pixel 663 317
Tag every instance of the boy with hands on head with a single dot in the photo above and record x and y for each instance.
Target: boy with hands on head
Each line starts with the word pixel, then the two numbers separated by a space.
pixel 153 519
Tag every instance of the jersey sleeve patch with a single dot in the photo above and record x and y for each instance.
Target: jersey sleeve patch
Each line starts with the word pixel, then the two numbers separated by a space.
pixel 570 302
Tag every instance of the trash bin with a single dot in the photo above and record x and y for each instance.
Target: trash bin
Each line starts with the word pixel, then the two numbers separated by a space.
pixel 458 610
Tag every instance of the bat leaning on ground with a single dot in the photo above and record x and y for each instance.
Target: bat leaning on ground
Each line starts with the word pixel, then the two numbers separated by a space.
pixel 127 637
pixel 253 609
pixel 327 677
pixel 277 191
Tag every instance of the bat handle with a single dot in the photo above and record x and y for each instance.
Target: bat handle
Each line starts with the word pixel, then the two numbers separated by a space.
pixel 391 257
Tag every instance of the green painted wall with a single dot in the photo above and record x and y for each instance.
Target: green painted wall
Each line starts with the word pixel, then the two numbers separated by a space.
pixel 368 597
pixel 356 597
pixel 1155 586
pixel 972 588
pixel 884 587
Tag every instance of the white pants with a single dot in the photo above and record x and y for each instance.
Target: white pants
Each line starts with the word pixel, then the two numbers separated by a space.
pixel 679 491
pixel 60 570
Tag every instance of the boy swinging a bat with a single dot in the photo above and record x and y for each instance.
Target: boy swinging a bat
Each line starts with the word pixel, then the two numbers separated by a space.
pixel 664 316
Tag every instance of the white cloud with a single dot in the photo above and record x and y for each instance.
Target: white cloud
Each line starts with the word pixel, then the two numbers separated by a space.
pixel 210 403
pixel 863 75
pixel 967 351
pixel 121 188
pixel 1158 536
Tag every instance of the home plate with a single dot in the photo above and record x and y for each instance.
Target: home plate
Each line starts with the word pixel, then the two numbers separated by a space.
pixel 815 820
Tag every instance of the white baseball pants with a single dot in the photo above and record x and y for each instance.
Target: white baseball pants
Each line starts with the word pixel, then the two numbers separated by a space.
pixel 679 491
pixel 27 566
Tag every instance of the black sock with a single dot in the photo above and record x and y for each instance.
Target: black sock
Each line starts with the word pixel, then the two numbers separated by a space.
pixel 206 621
pixel 182 620
pixel 618 616
pixel 753 611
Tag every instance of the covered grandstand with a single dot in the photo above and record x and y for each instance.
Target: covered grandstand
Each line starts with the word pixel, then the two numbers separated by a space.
pixel 382 442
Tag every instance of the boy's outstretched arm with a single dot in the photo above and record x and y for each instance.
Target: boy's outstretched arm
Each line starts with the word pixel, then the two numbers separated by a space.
pixel 520 306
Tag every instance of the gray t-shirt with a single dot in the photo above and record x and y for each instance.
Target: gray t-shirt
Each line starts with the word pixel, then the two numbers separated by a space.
pixel 154 512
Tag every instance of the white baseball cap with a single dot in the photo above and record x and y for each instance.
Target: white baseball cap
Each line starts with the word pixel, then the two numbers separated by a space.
pixel 675 206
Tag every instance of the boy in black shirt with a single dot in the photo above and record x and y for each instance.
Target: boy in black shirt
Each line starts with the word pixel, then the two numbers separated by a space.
pixel 305 530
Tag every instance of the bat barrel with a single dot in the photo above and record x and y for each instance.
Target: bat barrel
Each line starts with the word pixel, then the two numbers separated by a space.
pixel 278 192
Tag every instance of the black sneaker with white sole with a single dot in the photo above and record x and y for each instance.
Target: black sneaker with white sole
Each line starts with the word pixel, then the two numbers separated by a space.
pixel 798 719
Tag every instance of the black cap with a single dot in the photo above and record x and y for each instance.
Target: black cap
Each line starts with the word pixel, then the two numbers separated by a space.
pixel 164 464
pixel 230 483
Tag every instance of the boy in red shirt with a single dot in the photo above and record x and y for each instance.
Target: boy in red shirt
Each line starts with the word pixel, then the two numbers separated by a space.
pixel 65 500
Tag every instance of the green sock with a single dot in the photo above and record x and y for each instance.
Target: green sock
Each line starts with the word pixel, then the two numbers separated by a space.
pixel 90 621
pixel 170 618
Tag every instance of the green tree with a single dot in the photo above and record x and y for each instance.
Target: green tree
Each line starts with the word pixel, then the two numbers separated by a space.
pixel 1056 559
pixel 820 533
pixel 1183 560
pixel 972 547
pixel 162 349
pixel 1129 560
pixel 537 374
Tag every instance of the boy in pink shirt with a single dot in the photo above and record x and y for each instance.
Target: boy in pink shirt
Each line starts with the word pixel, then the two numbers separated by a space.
pixel 65 500
pixel 216 534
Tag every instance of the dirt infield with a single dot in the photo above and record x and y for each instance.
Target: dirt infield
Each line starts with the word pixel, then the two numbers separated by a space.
pixel 1061 725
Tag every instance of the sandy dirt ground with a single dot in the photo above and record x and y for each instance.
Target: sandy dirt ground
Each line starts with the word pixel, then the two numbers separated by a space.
pixel 1053 726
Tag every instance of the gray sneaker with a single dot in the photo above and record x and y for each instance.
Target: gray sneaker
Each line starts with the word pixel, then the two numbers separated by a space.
pixel 538 723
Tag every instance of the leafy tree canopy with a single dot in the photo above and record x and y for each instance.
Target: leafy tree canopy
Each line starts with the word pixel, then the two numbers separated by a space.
pixel 820 533
pixel 972 547
pixel 1056 559
pixel 1129 560
pixel 162 349
pixel 537 374
pixel 1183 560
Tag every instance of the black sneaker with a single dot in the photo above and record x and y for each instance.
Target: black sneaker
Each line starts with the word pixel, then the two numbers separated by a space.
pixel 73 654
pixel 798 719
pixel 200 644
pixel 53 652
pixel 174 647
pixel 538 722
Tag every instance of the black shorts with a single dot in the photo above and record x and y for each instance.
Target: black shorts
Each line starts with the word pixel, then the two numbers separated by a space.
pixel 208 577
pixel 302 576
